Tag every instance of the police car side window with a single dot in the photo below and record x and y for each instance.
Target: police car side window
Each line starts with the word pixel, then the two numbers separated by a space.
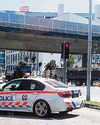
pixel 37 85
pixel 25 85
pixel 32 86
pixel 11 86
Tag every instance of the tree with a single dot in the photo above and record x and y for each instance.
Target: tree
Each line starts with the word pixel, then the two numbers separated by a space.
pixel 33 59
pixel 40 64
pixel 51 66
pixel 70 61
pixel 17 72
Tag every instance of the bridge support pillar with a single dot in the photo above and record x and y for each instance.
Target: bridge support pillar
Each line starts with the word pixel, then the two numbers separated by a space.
pixel 84 60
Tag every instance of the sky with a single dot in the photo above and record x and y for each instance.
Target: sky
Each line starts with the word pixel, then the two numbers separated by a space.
pixel 48 5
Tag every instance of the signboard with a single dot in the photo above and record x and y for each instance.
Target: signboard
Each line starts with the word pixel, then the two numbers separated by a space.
pixel 95 58
pixel 24 9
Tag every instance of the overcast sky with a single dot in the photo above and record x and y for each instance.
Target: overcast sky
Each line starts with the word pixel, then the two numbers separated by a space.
pixel 47 5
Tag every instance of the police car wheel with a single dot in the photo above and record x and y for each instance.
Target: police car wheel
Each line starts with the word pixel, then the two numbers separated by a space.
pixel 41 108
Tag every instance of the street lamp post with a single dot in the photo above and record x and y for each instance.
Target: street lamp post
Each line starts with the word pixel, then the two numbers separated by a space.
pixel 89 51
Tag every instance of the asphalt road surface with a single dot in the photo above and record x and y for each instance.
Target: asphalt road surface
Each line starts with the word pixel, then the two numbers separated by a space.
pixel 82 116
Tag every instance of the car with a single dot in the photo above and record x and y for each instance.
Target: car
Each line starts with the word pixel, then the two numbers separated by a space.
pixel 2 81
pixel 41 96
pixel 2 84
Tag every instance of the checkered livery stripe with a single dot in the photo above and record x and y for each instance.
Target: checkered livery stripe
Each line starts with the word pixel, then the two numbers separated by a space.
pixel 13 104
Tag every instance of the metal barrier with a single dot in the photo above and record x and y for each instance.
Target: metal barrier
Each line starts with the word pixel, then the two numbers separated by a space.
pixel 43 24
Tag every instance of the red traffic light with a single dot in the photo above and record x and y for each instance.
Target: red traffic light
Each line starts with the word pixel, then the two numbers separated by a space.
pixel 66 45
pixel 65 50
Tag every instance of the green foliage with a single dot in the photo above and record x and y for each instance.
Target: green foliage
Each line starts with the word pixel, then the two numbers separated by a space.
pixel 70 61
pixel 92 103
pixel 51 65
pixel 40 64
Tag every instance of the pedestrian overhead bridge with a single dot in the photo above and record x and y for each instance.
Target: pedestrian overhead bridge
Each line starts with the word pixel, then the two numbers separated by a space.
pixel 20 32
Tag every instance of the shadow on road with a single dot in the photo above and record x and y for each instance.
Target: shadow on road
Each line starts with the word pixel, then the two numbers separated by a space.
pixel 62 116
pixel 23 115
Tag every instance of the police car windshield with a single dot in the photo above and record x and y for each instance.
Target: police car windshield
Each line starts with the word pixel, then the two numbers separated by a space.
pixel 56 84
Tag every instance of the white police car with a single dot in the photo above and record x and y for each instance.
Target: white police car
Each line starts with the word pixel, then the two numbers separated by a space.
pixel 39 95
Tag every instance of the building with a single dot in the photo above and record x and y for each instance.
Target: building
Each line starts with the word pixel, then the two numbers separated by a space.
pixel 47 15
pixel 47 57
pixel 12 58
pixel 2 60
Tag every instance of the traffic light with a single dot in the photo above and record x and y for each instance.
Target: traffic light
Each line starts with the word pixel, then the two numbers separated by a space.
pixel 65 50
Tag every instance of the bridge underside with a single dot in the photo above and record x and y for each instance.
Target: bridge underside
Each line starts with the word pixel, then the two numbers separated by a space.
pixel 42 42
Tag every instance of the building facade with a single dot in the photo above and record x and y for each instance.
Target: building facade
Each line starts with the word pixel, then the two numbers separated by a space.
pixel 12 59
pixel 2 60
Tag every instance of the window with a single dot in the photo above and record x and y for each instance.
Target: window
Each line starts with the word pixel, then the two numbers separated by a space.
pixel 11 86
pixel 20 85
pixel 37 85
pixel 31 85
pixel 56 84
pixel 25 85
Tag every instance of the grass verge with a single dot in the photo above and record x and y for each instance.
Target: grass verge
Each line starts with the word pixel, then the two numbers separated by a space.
pixel 92 103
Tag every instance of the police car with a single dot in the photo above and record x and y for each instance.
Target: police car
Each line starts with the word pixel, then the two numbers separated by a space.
pixel 39 95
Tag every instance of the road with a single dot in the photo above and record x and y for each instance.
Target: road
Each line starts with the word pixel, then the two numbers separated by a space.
pixel 82 116
pixel 95 92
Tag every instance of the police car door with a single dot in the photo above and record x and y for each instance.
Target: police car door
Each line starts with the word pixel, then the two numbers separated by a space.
pixel 26 95
pixel 8 96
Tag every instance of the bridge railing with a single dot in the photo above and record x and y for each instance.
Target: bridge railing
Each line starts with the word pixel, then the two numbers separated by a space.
pixel 37 23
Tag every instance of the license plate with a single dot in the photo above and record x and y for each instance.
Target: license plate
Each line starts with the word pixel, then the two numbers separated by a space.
pixel 75 93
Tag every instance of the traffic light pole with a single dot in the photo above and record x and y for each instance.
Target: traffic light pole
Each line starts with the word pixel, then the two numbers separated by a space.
pixel 89 51
pixel 65 73
pixel 64 64
pixel 65 56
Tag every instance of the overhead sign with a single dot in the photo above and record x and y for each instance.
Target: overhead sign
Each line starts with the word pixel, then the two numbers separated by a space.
pixel 24 9
pixel 95 58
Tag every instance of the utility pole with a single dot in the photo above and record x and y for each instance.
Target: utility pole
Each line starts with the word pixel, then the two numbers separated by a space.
pixel 64 64
pixel 65 69
pixel 89 51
